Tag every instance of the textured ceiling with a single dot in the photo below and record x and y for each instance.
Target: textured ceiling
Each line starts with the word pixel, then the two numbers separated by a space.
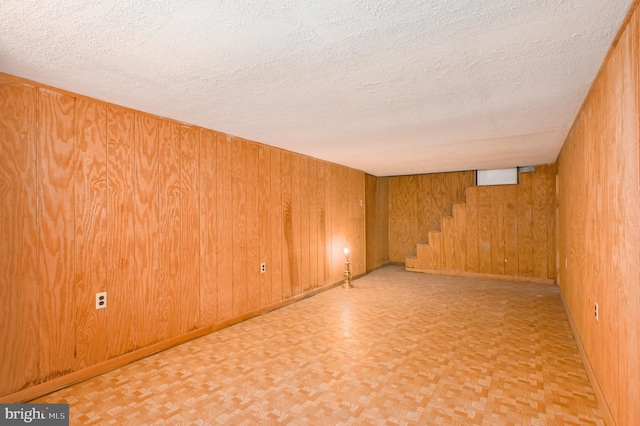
pixel 388 87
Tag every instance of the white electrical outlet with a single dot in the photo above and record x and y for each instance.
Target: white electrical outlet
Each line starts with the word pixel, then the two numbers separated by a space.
pixel 597 311
pixel 101 300
pixel 263 268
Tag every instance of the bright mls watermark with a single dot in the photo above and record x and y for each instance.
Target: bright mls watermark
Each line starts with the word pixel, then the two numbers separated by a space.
pixel 34 414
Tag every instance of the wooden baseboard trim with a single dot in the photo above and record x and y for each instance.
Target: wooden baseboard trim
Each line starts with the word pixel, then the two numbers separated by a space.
pixel 481 275
pixel 378 267
pixel 602 402
pixel 42 389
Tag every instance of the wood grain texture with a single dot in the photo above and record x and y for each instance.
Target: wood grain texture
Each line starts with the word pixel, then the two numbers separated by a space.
pixel 418 203
pixel 497 230
pixel 313 224
pixel 239 260
pixel 56 272
pixel 296 232
pixel 189 229
pixel 402 216
pixel 265 232
pixel 357 224
pixel 511 230
pixel 539 225
pixel 169 204
pixel 448 233
pixel 253 227
pixel 460 242
pixel 147 214
pixel 629 295
pixel 147 209
pixel 305 225
pixel 609 209
pixel 339 217
pixel 525 227
pixel 496 236
pixel 436 251
pixel 471 228
pixel 371 184
pixel 277 237
pixel 224 175
pixel 550 209
pixel 484 230
pixel 599 227
pixel 328 223
pixel 19 352
pixel 323 279
pixel 90 230
pixel 208 228
pixel 381 241
pixel 288 260
pixel 120 231
pixel 377 221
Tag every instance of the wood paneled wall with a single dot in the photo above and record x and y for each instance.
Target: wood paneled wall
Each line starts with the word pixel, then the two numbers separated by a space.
pixel 599 226
pixel 377 211
pixel 417 203
pixel 506 230
pixel 171 220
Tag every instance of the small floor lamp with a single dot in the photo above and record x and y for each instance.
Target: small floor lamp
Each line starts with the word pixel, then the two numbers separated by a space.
pixel 347 271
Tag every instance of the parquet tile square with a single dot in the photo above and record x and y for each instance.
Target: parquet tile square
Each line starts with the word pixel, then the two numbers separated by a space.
pixel 399 349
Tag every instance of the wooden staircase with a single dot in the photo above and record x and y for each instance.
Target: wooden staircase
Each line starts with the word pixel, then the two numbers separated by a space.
pixel 502 231
pixel 445 249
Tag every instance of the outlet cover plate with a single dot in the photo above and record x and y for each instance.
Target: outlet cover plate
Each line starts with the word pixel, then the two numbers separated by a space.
pixel 101 300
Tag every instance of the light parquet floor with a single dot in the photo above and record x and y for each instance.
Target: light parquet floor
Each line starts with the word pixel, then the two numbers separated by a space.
pixel 400 348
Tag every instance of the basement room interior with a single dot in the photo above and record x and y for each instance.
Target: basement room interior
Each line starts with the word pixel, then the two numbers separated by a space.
pixel 336 213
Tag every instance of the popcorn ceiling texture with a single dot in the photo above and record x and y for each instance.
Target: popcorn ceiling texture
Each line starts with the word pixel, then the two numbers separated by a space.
pixel 388 87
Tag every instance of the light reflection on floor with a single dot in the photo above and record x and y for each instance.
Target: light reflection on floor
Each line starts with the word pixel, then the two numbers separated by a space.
pixel 399 348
